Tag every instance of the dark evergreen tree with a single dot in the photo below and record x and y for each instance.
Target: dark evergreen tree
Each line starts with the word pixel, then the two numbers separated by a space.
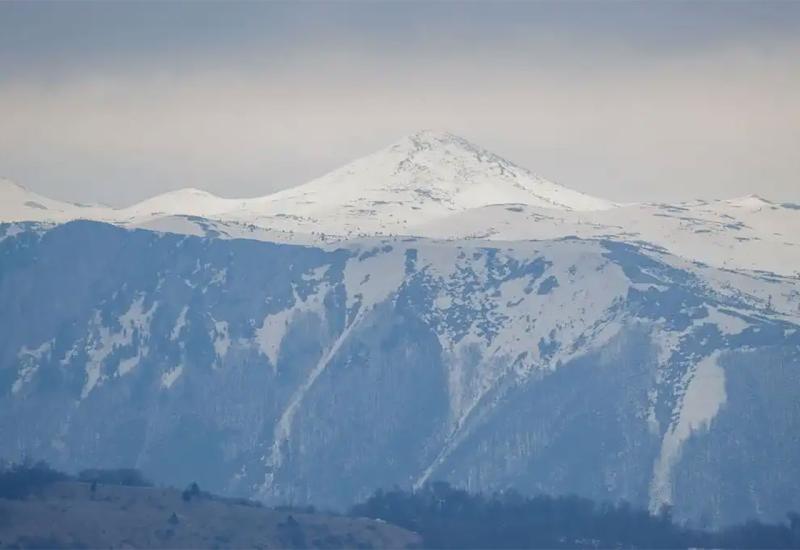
pixel 451 518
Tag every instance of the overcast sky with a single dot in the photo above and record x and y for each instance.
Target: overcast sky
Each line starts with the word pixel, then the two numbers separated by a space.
pixel 114 102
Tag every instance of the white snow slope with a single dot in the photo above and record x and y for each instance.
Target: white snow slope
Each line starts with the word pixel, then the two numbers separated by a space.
pixel 437 185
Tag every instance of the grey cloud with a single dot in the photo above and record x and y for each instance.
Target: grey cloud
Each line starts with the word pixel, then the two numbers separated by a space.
pixel 633 101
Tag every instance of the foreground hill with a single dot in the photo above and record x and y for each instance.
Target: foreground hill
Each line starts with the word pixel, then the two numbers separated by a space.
pixel 71 514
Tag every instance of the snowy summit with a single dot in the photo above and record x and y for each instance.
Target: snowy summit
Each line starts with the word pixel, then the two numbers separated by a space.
pixel 438 185
pixel 425 176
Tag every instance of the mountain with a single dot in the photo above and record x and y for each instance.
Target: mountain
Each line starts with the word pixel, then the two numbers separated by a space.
pixel 750 233
pixel 423 177
pixel 555 343
pixel 185 202
pixel 20 204
pixel 437 185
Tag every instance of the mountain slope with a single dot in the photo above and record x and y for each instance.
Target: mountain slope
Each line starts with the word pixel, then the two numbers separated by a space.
pixel 296 373
pixel 742 234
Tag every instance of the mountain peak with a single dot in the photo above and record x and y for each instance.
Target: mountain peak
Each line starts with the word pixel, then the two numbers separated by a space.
pixel 189 192
pixel 749 202
pixel 438 140
pixel 436 137
pixel 432 134
pixel 185 201
pixel 427 175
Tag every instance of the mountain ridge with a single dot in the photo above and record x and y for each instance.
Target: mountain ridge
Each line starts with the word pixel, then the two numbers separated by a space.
pixel 423 140
pixel 435 184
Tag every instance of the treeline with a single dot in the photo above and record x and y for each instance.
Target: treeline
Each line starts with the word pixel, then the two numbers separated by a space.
pixel 20 480
pixel 451 518
pixel 27 478
pixel 23 479
pixel 447 517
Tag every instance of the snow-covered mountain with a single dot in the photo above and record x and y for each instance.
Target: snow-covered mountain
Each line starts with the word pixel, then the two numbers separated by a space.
pixel 424 177
pixel 428 312
pixel 437 185
pixel 20 204
pixel 184 202
pixel 749 233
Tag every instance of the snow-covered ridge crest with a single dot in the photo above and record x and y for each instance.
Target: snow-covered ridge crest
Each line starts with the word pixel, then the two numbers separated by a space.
pixel 20 204
pixel 423 177
pixel 427 173
pixel 437 185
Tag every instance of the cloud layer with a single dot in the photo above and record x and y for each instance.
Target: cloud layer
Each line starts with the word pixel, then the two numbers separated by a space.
pixel 630 107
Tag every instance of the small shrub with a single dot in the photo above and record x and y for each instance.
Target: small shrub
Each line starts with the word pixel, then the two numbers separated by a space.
pixel 291 533
pixel 192 491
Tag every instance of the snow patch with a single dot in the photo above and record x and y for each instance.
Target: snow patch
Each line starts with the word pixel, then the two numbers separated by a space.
pixel 220 277
pixel 371 277
pixel 102 341
pixel 316 274
pixel 29 362
pixel 12 231
pixel 221 338
pixel 127 365
pixel 270 334
pixel 169 377
pixel 180 322
pixel 704 397
pixel 726 323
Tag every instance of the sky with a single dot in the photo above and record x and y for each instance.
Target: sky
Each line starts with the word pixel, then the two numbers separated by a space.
pixel 631 101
